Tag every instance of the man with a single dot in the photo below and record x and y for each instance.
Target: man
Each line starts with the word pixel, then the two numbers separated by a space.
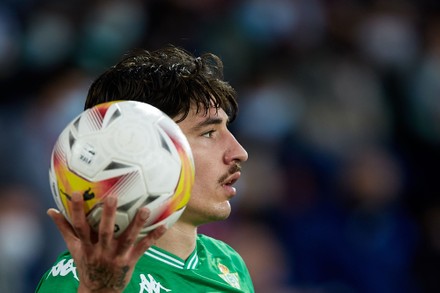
pixel 191 91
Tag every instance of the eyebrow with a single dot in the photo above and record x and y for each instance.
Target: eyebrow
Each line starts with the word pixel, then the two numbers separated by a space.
pixel 208 121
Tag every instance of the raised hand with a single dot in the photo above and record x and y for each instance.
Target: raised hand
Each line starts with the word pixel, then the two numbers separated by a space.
pixel 104 263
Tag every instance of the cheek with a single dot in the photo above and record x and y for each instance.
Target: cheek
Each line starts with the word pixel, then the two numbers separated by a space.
pixel 202 170
pixel 205 169
pixel 208 164
pixel 203 160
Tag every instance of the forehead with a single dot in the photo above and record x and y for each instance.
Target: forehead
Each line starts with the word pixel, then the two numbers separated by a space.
pixel 199 118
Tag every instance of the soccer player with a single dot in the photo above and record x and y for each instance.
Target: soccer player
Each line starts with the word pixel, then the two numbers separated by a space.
pixel 192 91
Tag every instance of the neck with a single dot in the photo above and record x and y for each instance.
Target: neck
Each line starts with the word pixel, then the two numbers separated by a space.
pixel 179 240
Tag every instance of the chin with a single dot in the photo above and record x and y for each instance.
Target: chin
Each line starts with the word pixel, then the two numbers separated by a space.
pixel 203 216
pixel 218 216
pixel 223 210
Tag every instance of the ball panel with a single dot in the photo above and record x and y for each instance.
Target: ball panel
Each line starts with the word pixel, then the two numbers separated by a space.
pixel 132 138
pixel 162 173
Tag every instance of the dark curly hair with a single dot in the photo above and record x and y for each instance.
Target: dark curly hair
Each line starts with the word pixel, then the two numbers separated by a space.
pixel 170 79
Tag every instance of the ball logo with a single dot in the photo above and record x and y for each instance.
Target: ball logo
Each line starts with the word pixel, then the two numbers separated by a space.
pixel 87 154
pixel 88 194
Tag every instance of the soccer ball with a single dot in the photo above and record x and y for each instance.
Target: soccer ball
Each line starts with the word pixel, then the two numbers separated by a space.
pixel 127 148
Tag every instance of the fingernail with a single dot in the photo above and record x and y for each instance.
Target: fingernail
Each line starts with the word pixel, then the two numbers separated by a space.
pixel 52 210
pixel 111 200
pixel 76 196
pixel 143 213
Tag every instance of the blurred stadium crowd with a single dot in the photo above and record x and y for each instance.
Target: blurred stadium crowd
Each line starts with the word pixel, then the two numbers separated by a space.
pixel 339 111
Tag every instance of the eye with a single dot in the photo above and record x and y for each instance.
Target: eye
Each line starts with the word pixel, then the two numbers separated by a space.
pixel 208 134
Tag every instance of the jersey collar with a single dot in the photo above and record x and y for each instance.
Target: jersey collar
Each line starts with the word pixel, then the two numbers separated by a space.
pixel 167 258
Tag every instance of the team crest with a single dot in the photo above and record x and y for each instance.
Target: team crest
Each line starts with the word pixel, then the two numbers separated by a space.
pixel 230 278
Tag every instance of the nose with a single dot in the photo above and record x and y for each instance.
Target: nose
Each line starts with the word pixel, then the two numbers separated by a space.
pixel 235 151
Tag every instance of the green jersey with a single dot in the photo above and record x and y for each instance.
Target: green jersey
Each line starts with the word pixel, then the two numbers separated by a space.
pixel 212 267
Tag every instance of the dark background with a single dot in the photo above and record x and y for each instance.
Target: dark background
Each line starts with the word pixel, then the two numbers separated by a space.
pixel 339 111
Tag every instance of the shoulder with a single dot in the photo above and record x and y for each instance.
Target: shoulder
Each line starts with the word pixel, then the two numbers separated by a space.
pixel 61 277
pixel 212 243
pixel 221 258
pixel 216 248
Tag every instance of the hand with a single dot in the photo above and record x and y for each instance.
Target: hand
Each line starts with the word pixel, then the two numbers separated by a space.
pixel 103 263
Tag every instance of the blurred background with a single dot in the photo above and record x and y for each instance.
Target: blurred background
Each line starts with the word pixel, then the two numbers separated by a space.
pixel 339 111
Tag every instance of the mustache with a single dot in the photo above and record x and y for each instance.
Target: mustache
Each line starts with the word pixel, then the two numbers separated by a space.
pixel 233 169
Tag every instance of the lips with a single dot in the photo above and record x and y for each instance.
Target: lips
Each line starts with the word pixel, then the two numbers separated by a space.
pixel 232 179
pixel 228 182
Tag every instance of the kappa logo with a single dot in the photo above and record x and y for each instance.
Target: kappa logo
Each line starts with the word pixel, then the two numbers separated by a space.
pixel 63 268
pixel 150 285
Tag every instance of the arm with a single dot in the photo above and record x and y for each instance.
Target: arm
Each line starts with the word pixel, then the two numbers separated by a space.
pixel 104 263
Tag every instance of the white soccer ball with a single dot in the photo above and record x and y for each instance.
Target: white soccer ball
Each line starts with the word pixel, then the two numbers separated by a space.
pixel 127 148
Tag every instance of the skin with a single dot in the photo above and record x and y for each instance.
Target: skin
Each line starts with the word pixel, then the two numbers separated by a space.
pixel 105 263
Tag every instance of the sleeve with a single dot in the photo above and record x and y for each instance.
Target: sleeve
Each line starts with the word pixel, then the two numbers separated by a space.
pixel 61 277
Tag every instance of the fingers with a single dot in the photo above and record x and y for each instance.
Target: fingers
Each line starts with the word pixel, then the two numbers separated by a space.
pixel 62 224
pixel 148 241
pixel 78 218
pixel 107 223
pixel 128 238
pixel 127 242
